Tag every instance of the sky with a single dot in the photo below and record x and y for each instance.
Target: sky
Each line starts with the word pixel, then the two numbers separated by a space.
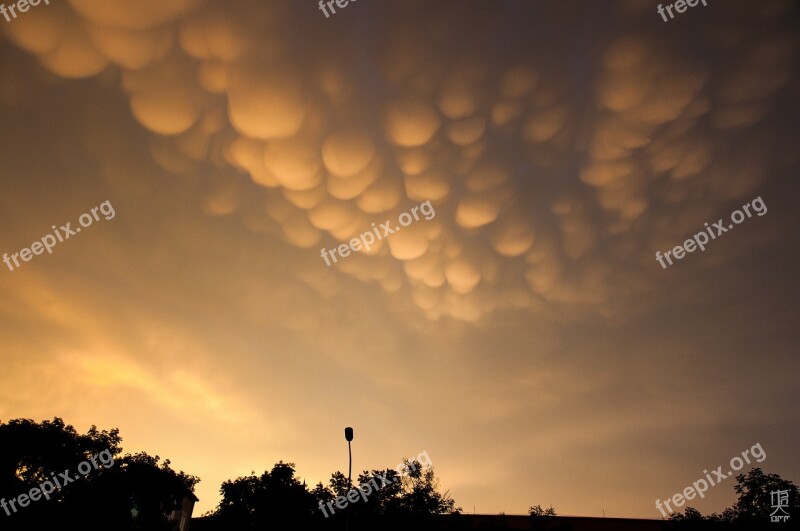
pixel 525 335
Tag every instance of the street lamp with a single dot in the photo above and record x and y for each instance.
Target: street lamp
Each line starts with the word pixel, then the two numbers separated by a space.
pixel 348 434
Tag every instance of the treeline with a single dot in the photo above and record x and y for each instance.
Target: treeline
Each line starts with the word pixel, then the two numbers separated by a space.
pixel 278 500
pixel 50 475
pixel 761 496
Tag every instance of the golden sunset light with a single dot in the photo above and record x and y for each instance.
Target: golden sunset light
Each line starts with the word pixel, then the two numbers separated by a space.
pixel 550 244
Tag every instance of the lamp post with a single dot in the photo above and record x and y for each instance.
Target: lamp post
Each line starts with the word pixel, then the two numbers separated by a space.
pixel 348 434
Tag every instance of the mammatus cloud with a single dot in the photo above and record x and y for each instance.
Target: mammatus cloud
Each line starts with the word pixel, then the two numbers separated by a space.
pixel 656 138
pixel 560 146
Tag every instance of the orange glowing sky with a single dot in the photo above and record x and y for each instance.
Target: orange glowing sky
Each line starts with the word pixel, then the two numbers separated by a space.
pixel 525 337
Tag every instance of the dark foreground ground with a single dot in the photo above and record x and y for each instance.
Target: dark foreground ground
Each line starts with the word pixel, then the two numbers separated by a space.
pixel 511 522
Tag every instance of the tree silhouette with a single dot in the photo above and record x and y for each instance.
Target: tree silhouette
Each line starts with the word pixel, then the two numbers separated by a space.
pixel 421 496
pixel 277 500
pixel 132 493
pixel 754 506
pixel 689 515
pixel 274 500
pixel 754 503
pixel 146 490
pixel 537 511
pixel 399 499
